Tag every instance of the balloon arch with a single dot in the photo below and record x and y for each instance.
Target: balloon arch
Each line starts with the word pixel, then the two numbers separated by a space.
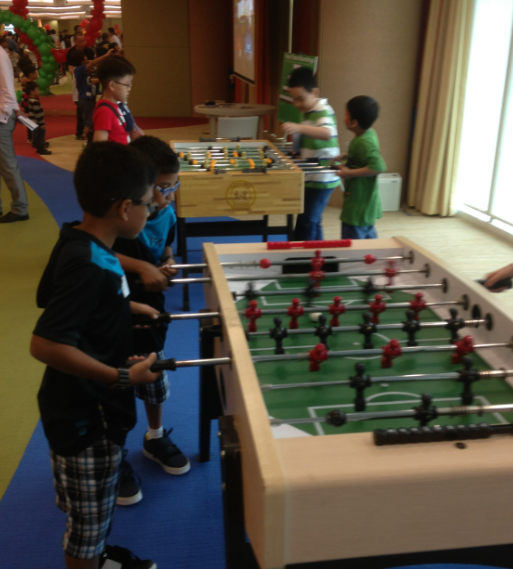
pixel 38 41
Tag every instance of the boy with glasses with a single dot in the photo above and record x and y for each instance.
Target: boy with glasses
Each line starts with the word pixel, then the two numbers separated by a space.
pixel 116 75
pixel 149 259
pixel 84 337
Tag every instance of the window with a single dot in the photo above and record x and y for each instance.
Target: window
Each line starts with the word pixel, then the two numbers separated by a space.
pixel 484 185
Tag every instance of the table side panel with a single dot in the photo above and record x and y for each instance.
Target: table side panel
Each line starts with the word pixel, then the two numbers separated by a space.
pixel 262 474
pixel 348 498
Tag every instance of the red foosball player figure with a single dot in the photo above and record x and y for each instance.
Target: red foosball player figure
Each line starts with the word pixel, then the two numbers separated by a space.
pixel 418 304
pixel 316 356
pixel 377 307
pixel 369 259
pixel 253 313
pixel 390 351
pixel 336 309
pixel 317 262
pixel 295 311
pixel 462 348
pixel 391 272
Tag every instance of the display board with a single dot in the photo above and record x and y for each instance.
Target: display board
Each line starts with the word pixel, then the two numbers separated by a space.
pixel 244 39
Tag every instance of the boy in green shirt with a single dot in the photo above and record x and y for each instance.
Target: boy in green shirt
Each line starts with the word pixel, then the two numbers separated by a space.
pixel 362 204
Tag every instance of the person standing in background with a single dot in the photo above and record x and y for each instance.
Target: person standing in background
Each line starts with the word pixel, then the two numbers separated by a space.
pixel 9 169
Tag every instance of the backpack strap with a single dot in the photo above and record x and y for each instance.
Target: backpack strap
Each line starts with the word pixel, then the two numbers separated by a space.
pixel 120 117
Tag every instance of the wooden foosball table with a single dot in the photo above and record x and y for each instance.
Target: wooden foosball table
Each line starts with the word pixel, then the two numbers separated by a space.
pixel 234 179
pixel 376 444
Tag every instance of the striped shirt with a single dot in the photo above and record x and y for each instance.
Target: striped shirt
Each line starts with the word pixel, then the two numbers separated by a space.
pixel 322 115
pixel 36 112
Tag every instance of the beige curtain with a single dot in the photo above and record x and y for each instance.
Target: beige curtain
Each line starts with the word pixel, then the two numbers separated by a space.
pixel 437 135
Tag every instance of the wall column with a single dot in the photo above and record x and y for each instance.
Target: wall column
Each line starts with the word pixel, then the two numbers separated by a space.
pixel 156 42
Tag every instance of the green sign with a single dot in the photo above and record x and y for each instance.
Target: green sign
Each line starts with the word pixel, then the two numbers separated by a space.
pixel 287 112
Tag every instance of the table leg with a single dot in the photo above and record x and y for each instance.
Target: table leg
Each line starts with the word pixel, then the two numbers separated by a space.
pixel 210 406
pixel 290 226
pixel 260 134
pixel 239 554
pixel 213 126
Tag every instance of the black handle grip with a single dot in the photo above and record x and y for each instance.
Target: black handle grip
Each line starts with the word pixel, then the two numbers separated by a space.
pixel 503 283
pixel 159 365
pixel 437 434
pixel 143 320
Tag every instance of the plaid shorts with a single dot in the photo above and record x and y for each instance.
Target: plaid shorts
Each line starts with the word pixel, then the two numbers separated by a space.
pixel 87 487
pixel 156 392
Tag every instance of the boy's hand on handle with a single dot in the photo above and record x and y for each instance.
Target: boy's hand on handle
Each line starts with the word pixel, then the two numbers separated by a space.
pixel 167 269
pixel 140 373
pixel 291 127
pixel 495 276
pixel 344 172
pixel 144 310
pixel 153 279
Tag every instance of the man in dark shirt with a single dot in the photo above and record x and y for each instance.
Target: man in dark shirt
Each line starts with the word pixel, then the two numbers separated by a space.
pixel 80 44
pixel 86 398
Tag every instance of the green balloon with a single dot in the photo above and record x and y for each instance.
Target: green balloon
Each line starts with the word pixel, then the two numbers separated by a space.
pixel 19 95
pixel 32 33
pixel 37 41
pixel 17 20
pixel 44 49
pixel 44 59
pixel 49 40
pixel 43 82
pixel 51 59
pixel 48 68
pixel 8 17
pixel 24 27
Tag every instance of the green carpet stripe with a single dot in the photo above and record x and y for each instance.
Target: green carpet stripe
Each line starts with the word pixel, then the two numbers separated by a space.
pixel 24 253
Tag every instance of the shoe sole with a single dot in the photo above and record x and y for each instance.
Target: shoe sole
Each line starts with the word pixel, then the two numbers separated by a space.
pixel 130 500
pixel 169 469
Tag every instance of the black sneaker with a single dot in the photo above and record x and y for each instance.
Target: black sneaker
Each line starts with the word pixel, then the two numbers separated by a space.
pixel 167 454
pixel 115 557
pixel 129 485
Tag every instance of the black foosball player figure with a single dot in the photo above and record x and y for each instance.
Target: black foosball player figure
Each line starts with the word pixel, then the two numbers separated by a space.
pixel 360 382
pixel 278 334
pixel 454 324
pixel 311 291
pixel 322 331
pixel 367 329
pixel 411 327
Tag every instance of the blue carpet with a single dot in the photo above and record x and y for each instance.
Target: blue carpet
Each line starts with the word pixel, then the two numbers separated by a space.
pixel 179 522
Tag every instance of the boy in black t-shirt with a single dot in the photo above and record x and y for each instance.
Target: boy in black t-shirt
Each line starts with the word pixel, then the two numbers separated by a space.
pixel 86 398
pixel 149 258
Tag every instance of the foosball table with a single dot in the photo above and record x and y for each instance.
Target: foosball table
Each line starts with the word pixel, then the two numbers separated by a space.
pixel 235 179
pixel 368 406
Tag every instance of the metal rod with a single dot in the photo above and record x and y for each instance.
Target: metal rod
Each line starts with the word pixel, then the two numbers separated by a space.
pixel 373 352
pixel 491 374
pixel 355 307
pixel 303 275
pixel 194 316
pixel 301 261
pixel 208 362
pixel 391 326
pixel 326 289
pixel 456 411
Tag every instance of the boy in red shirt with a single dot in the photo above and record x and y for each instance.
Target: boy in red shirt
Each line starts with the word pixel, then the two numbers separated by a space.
pixel 116 75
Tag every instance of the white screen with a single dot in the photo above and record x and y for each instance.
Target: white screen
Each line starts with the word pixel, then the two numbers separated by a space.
pixel 244 39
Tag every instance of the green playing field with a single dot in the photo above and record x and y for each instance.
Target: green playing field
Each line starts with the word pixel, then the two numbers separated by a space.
pixel 381 396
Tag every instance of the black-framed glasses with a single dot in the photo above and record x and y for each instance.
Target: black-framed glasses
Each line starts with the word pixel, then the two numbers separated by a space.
pixel 150 206
pixel 169 190
pixel 127 85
